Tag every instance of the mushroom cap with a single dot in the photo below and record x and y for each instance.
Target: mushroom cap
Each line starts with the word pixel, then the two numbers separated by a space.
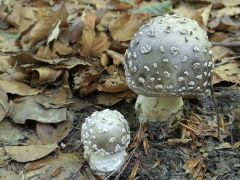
pixel 169 56
pixel 105 132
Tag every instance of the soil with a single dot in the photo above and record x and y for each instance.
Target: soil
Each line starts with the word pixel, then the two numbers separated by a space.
pixel 164 160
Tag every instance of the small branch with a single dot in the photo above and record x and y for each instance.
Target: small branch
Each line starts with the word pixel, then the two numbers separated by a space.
pixel 227 44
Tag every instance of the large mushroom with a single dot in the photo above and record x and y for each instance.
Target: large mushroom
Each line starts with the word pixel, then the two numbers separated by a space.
pixel 169 57
pixel 105 136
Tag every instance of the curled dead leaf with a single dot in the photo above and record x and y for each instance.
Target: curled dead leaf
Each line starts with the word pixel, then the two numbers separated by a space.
pixel 68 163
pixel 26 108
pixel 43 75
pixel 14 87
pixel 49 134
pixel 4 105
pixel 123 28
pixel 30 152
pixel 109 99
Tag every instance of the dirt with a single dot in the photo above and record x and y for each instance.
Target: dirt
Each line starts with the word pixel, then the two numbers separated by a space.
pixel 164 160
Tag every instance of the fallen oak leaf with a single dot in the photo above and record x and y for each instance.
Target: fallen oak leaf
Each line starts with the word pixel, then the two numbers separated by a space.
pixel 26 108
pixel 14 87
pixel 30 152
pixel 4 105
pixel 123 28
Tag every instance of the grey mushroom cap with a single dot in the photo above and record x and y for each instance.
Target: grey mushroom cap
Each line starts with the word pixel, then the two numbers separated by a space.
pixel 105 132
pixel 169 56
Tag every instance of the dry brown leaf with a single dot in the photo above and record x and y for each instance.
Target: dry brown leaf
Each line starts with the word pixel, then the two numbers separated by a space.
pixel 104 60
pixel 43 75
pixel 75 30
pixel 114 82
pixel 109 99
pixel 202 15
pixel 4 105
pixel 26 108
pixel 123 28
pixel 68 163
pixel 14 87
pixel 13 17
pixel 41 29
pixel 49 134
pixel 100 44
pixel 116 57
pixel 185 9
pixel 228 2
pixel 220 52
pixel 9 175
pixel 88 34
pixel 62 48
pixel 13 134
pixel 107 19
pixel 227 72
pixel 30 152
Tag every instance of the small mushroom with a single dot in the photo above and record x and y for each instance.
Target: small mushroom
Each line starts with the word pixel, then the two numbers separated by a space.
pixel 176 63
pixel 105 136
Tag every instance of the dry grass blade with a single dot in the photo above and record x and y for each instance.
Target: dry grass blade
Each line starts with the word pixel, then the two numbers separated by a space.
pixel 134 171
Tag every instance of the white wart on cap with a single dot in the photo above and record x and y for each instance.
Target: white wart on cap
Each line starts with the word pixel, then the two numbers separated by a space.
pixel 169 55
pixel 105 136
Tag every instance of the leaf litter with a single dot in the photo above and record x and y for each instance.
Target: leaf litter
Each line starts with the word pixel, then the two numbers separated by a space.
pixel 61 61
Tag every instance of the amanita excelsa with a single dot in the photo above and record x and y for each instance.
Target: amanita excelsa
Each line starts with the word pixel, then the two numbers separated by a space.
pixel 169 57
pixel 105 136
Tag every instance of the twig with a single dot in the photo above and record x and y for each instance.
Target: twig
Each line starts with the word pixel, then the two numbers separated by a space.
pixel 226 44
pixel 216 110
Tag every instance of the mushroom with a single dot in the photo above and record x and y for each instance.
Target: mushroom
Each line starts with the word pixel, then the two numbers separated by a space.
pixel 105 136
pixel 169 57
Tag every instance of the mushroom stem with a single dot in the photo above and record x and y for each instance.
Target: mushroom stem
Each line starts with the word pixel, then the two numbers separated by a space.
pixel 161 109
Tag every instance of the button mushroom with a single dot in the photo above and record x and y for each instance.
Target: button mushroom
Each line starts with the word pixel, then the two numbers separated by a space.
pixel 105 136
pixel 169 58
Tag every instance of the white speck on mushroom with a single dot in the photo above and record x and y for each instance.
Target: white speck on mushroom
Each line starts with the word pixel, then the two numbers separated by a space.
pixel 210 52
pixel 140 33
pixel 186 73
pixel 134 55
pixel 141 80
pixel 199 77
pixel 184 59
pixel 123 130
pixel 210 64
pixel 166 74
pixel 175 66
pixel 196 66
pixel 134 69
pixel 209 74
pixel 191 83
pixel 155 65
pixel 151 33
pixel 159 79
pixel 157 72
pixel 207 91
pixel 205 64
pixel 168 29
pixel 205 73
pixel 145 49
pixel 152 79
pixel 124 139
pixel 183 31
pixel 159 86
pixel 146 68
pixel 165 60
pixel 112 140
pixel 183 88
pixel 161 49
pixel 169 86
pixel 130 63
pixel 195 49
pixel 190 88
pixel 182 21
pixel 205 84
pixel 198 88
pixel 174 51
pixel 205 50
pixel 181 79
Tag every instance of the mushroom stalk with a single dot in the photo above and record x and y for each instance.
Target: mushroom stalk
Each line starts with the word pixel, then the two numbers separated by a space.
pixel 161 109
